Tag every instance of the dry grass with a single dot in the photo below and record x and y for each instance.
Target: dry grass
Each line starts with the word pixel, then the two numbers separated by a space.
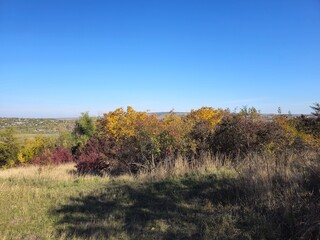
pixel 259 197
pixel 59 173
pixel 28 194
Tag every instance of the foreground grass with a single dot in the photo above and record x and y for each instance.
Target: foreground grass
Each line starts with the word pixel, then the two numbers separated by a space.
pixel 28 194
pixel 258 199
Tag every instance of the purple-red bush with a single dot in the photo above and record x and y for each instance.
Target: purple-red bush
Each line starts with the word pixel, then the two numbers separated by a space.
pixel 93 164
pixel 96 157
pixel 55 156
pixel 61 155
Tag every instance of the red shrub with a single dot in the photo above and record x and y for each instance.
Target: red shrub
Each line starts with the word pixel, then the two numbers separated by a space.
pixel 56 156
pixel 61 155
pixel 94 165
pixel 95 157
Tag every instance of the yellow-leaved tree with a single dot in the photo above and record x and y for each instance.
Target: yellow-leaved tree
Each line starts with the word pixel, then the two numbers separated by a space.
pixel 136 136
pixel 207 115
pixel 120 124
pixel 203 123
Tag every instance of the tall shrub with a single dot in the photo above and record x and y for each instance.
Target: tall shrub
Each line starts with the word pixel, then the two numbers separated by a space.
pixel 84 129
pixel 8 148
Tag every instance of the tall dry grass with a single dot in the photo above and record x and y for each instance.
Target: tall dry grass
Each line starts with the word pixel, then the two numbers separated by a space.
pixel 62 172
pixel 281 191
pixel 253 197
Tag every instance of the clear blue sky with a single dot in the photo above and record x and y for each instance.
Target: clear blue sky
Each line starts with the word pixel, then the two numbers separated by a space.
pixel 62 57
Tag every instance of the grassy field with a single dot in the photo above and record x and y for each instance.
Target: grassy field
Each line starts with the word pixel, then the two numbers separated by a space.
pixel 30 128
pixel 256 200
pixel 37 125
pixel 29 194
pixel 22 137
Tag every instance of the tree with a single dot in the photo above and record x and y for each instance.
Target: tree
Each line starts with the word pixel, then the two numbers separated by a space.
pixel 85 125
pixel 249 113
pixel 8 148
pixel 316 108
pixel 279 111
pixel 85 128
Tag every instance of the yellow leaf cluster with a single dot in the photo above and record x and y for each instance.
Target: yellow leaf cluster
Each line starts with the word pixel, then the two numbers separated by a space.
pixel 207 114
pixel 121 124
pixel 292 133
pixel 31 148
pixel 175 124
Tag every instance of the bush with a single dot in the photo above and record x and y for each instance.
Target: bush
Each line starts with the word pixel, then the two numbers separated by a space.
pixel 85 126
pixel 55 156
pixel 9 148
pixel 302 133
pixel 202 125
pixel 308 125
pixel 237 136
pixel 232 137
pixel 132 141
pixel 93 165
pixel 33 148
pixel 84 129
pixel 61 155
pixel 135 137
pixel 96 158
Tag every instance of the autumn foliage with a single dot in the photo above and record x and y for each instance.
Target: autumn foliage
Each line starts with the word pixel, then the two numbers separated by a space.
pixel 131 141
pixel 128 141
pixel 53 157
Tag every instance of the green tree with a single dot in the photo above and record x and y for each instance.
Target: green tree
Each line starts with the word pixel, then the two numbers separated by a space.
pixel 9 148
pixel 85 128
pixel 249 113
pixel 316 108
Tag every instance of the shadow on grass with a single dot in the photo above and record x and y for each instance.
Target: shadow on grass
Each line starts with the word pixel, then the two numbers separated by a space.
pixel 203 207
